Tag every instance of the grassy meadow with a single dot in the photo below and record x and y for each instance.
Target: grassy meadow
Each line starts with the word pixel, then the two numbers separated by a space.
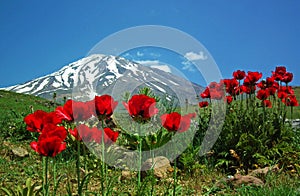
pixel 198 177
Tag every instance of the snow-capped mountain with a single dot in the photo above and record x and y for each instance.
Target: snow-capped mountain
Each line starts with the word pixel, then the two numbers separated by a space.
pixel 103 74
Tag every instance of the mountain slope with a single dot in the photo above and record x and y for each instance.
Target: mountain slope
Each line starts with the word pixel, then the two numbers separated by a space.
pixel 13 108
pixel 102 74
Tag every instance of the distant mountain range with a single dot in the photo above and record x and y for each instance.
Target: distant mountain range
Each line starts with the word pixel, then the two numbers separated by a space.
pixel 105 74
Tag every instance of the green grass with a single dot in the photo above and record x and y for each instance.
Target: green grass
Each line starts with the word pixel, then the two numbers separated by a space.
pixel 275 184
pixel 13 108
pixel 22 103
pixel 202 180
pixel 296 111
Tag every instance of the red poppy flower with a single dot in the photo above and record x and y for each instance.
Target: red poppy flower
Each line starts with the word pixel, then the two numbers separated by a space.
pixel 141 107
pixel 51 130
pixel 282 95
pixel 267 103
pixel 287 77
pixel 216 90
pixel 205 93
pixel 288 90
pixel 229 99
pixel 262 94
pixel 51 141
pixel 280 70
pixel 291 100
pixel 95 135
pixel 75 134
pixel 270 82
pixel 213 85
pixel 252 78
pixel 75 110
pixel 284 91
pixel 83 110
pixel 217 94
pixel 262 84
pixel 279 73
pixel 245 89
pixel 35 121
pixel 110 136
pixel 239 75
pixel 105 106
pixel 174 122
pixel 203 104
pixel 248 89
pixel 88 134
pixel 52 118
pixel 66 112
pixel 232 86
pixel 48 146
pixel 272 90
pixel 191 115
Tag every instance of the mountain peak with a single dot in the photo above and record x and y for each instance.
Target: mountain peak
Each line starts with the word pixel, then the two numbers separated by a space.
pixel 106 74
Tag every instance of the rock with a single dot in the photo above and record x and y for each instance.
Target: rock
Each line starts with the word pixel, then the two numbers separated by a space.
pixel 294 122
pixel 161 166
pixel 239 180
pixel 263 171
pixel 19 152
pixel 122 157
pixel 126 175
pixel 6 143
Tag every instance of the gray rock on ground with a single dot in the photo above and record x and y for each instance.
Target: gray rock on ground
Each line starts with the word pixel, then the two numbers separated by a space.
pixel 19 152
pixel 160 165
pixel 238 180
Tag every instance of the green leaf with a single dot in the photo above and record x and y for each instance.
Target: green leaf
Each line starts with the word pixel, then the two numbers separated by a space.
pixel 84 180
pixel 8 192
pixel 58 182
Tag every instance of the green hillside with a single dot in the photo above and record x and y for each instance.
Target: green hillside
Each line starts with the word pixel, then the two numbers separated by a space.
pixel 13 108
pixel 297 109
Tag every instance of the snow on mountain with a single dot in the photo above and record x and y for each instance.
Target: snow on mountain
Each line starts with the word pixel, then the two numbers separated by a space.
pixel 105 74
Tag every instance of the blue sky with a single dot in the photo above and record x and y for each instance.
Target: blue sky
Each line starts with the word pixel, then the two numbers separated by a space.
pixel 39 37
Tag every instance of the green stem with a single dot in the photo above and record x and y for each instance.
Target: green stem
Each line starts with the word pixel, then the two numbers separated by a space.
pixel 140 157
pixel 152 170
pixel 45 176
pixel 174 178
pixel 78 168
pixel 264 117
pixel 104 176
pixel 240 95
pixel 85 158
pixel 54 175
pixel 247 101
pixel 273 103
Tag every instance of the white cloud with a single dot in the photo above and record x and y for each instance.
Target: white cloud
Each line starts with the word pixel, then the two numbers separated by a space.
pixel 155 64
pixel 192 56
